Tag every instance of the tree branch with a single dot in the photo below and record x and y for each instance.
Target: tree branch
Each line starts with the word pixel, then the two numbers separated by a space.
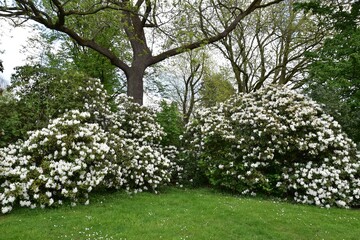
pixel 178 50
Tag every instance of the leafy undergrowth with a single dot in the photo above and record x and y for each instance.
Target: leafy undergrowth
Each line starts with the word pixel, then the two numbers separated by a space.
pixel 181 214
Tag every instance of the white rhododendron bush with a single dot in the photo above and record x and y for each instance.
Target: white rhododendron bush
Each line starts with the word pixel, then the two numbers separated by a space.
pixel 85 149
pixel 276 142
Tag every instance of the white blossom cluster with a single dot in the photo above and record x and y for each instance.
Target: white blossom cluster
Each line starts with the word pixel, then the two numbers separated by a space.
pixel 84 150
pixel 145 163
pixel 276 142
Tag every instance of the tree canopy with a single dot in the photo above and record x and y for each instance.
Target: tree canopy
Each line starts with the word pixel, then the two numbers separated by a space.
pixel 269 46
pixel 335 69
pixel 139 33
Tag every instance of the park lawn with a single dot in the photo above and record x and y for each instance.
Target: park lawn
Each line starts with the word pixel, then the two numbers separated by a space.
pixel 181 214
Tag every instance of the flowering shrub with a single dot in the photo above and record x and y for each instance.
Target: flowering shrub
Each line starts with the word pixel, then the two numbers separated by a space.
pixel 276 142
pixel 86 149
pixel 66 160
pixel 146 164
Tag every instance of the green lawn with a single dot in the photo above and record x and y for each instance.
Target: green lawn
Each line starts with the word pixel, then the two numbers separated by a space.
pixel 181 214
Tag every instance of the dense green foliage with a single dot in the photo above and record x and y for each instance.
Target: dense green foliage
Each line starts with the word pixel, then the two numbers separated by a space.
pixel 36 95
pixel 275 142
pixel 69 57
pixel 216 88
pixel 334 78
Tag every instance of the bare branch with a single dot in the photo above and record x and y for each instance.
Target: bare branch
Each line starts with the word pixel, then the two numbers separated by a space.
pixel 172 52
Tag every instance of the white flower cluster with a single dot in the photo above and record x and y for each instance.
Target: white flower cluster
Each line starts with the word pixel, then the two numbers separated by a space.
pixel 279 142
pixel 145 163
pixel 83 150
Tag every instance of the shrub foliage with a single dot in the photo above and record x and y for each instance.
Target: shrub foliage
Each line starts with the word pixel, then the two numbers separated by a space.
pixel 275 142
pixel 87 148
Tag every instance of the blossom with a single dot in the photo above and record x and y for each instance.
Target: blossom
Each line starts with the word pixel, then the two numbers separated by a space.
pixel 300 150
pixel 77 152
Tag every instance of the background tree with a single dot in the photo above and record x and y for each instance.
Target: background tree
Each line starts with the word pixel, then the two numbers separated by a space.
pixel 1 62
pixel 216 88
pixel 269 46
pixel 334 74
pixel 195 80
pixel 68 56
pixel 36 95
pixel 137 24
pixel 2 85
pixel 186 73
pixel 2 80
pixel 170 120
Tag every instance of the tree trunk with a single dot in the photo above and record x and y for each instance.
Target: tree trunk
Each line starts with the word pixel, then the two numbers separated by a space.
pixel 135 84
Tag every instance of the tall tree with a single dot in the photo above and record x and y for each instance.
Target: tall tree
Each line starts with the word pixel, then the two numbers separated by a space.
pixel 2 85
pixel 196 80
pixel 216 88
pixel 72 57
pixel 334 73
pixel 269 46
pixel 135 22
pixel 186 73
pixel 2 80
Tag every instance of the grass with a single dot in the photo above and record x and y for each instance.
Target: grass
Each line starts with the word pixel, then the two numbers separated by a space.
pixel 181 214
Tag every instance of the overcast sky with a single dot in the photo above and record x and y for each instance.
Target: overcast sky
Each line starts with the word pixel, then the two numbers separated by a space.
pixel 12 41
